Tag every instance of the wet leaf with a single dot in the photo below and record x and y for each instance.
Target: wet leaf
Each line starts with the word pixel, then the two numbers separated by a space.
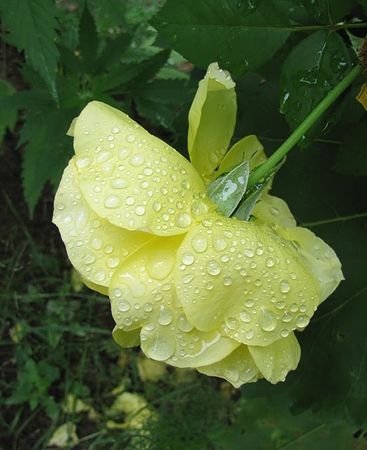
pixel 228 190
pixel 205 34
pixel 311 70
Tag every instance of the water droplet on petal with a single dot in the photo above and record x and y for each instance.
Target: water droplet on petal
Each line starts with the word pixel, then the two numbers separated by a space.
pixel 183 220
pixel 112 201
pixel 267 320
pixel 302 321
pixel 165 316
pixel 199 243
pixel 213 268
pixel 124 306
pixel 284 287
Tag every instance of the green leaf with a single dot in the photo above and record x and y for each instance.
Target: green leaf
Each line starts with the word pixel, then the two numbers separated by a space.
pixel 263 425
pixel 246 207
pixel 239 35
pixel 119 78
pixel 329 11
pixel 47 151
pixel 8 116
pixel 88 41
pixel 352 155
pixel 32 28
pixel 228 190
pixel 113 51
pixel 311 70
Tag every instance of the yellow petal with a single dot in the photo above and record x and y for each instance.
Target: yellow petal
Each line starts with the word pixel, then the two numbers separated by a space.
pixel 212 119
pixel 143 283
pixel 94 246
pixel 142 294
pixel 126 339
pixel 95 287
pixel 276 360
pixel 247 149
pixel 321 259
pixel 131 178
pixel 171 338
pixel 244 280
pixel 237 368
pixel 274 210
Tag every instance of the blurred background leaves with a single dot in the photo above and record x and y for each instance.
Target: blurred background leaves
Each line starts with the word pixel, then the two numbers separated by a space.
pixel 63 380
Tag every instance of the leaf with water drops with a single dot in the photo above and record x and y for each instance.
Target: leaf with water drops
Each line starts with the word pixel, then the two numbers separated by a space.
pixel 312 69
pixel 277 359
pixel 246 208
pixel 248 149
pixel 228 190
pixel 133 179
pixel 237 368
pixel 246 281
pixel 328 11
pixel 94 246
pixel 212 118
pixel 204 32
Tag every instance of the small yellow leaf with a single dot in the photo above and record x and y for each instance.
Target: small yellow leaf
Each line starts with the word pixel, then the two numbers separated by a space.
pixel 362 96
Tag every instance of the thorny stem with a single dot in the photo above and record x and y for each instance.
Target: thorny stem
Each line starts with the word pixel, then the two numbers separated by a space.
pixel 266 168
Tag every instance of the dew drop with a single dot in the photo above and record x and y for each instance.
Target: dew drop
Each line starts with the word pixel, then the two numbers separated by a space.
pixel 199 243
pixel 187 278
pixel 112 201
pixel 81 163
pixel 231 323
pixel 159 347
pixel 213 268
pixel 219 244
pixel 284 287
pixel 140 210
pixel 183 220
pixel 188 259
pixel 130 138
pixel 248 252
pixel 227 281
pixel 130 201
pixel 136 160
pixel 165 316
pixel 124 306
pixel 119 183
pixel 302 321
pixel 183 324
pixel 157 206
pixel 267 320
pixel 245 317
pixel 270 262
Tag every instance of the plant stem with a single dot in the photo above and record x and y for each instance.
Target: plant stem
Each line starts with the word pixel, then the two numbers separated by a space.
pixel 260 172
pixel 334 220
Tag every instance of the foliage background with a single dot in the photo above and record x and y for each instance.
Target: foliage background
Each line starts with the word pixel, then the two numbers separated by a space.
pixel 146 58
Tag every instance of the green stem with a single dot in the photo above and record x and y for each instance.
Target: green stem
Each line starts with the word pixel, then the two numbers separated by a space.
pixel 265 168
pixel 334 220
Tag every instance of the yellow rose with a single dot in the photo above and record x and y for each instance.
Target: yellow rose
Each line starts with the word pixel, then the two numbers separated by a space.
pixel 192 287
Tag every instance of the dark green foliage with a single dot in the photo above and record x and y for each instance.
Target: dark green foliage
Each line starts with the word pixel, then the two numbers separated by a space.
pixel 32 27
pixel 239 35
